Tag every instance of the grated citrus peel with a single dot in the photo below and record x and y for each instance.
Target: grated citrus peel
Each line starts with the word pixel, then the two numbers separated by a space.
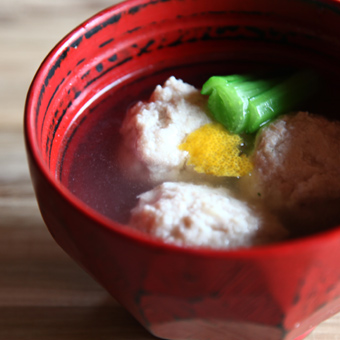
pixel 213 150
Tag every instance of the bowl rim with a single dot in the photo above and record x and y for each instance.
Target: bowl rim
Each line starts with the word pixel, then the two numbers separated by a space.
pixel 32 148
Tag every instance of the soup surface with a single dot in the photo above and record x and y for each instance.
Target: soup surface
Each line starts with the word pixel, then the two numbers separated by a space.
pixel 89 166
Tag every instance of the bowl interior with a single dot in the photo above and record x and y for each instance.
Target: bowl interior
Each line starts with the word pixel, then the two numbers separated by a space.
pixel 83 88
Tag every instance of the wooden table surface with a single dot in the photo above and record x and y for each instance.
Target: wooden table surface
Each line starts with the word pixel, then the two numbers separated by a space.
pixel 43 294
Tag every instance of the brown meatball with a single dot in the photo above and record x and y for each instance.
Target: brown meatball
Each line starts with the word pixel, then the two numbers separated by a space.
pixel 297 171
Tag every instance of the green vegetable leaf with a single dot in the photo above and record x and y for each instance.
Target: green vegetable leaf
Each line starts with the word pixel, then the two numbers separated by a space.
pixel 243 103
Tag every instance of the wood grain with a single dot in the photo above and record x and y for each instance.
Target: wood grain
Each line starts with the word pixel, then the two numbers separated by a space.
pixel 43 294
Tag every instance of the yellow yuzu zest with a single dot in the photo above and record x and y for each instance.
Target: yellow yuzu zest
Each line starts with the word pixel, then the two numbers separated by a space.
pixel 213 150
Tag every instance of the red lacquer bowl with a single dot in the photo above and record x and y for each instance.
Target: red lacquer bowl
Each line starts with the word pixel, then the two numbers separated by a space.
pixel 274 292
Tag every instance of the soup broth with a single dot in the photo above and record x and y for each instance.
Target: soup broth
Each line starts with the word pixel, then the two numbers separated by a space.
pixel 88 164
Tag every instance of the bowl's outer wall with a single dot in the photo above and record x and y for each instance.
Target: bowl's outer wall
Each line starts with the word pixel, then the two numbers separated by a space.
pixel 278 292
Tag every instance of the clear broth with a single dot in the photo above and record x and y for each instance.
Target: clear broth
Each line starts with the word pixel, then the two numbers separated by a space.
pixel 89 166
